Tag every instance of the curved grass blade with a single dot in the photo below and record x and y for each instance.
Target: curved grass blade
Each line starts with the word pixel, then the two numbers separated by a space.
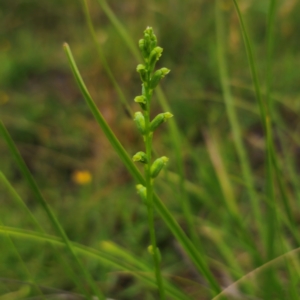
pixel 39 197
pixel 47 289
pixel 19 200
pixel 103 256
pixel 270 45
pixel 120 28
pixel 252 65
pixel 257 271
pixel 23 265
pixel 161 208
pixel 272 227
pixel 78 283
pixel 21 293
pixel 70 273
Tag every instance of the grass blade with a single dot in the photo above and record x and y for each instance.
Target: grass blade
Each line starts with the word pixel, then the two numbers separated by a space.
pixel 120 28
pixel 270 45
pixel 23 264
pixel 251 275
pixel 70 273
pixel 233 119
pixel 265 118
pixel 103 256
pixel 39 197
pixel 19 201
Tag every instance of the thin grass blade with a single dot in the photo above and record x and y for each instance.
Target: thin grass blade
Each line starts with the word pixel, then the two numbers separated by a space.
pixel 103 256
pixel 41 200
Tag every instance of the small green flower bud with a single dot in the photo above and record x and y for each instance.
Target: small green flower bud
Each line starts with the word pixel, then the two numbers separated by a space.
pixel 154 56
pixel 151 252
pixel 142 191
pixel 141 44
pixel 143 49
pixel 139 120
pixel 141 100
pixel 141 157
pixel 159 119
pixel 152 37
pixel 157 76
pixel 153 42
pixel 148 31
pixel 147 41
pixel 157 166
pixel 141 69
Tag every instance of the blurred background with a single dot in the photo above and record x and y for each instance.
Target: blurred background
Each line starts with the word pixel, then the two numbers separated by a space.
pixel 74 165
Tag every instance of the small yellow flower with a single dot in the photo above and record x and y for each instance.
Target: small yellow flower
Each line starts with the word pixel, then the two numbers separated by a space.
pixel 3 98
pixel 82 177
pixel 5 46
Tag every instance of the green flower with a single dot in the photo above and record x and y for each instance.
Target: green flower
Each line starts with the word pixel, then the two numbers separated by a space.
pixel 159 119
pixel 158 165
pixel 139 120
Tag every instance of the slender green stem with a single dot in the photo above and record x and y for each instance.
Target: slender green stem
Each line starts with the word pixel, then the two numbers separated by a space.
pixel 270 44
pixel 273 228
pixel 252 66
pixel 269 134
pixel 150 205
pixel 282 188
pixel 265 118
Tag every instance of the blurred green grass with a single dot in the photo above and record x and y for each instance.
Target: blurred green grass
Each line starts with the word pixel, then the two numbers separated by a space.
pixel 54 131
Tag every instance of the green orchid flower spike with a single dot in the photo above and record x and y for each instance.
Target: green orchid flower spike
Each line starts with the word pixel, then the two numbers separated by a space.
pixel 151 53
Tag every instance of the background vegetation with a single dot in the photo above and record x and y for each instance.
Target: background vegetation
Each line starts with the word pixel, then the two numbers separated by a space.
pixel 85 182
